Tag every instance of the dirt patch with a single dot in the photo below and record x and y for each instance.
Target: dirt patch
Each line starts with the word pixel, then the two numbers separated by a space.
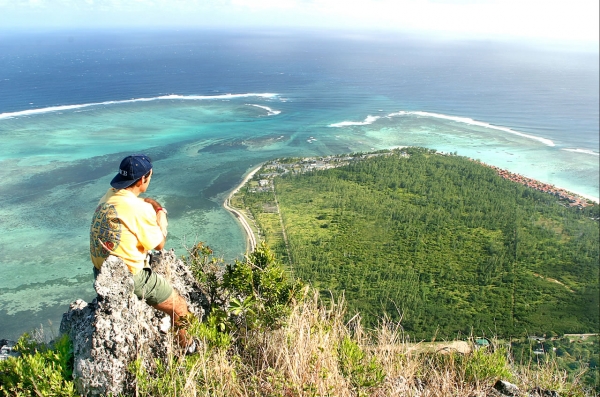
pixel 270 208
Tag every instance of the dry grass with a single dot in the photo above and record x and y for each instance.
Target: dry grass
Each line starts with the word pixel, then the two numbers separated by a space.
pixel 306 358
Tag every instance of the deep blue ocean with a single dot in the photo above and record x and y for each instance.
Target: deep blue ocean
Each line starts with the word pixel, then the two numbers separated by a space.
pixel 208 106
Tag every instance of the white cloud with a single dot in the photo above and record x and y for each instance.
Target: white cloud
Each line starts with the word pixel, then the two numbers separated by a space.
pixel 574 19
pixel 266 4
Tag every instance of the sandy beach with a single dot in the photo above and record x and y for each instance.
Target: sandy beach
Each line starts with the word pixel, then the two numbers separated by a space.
pixel 250 237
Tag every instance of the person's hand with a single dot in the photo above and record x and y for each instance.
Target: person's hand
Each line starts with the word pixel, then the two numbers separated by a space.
pixel 154 203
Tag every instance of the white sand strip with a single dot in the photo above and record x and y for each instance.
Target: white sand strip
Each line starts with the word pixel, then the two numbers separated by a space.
pixel 250 237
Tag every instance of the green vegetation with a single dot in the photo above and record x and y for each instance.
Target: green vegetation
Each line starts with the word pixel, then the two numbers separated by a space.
pixel 424 246
pixel 273 337
pixel 254 294
pixel 363 373
pixel 441 242
pixel 41 370
pixel 576 355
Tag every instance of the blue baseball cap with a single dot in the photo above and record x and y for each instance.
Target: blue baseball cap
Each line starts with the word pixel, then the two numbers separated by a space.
pixel 131 169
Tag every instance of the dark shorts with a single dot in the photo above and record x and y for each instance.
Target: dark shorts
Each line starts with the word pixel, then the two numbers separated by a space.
pixel 150 286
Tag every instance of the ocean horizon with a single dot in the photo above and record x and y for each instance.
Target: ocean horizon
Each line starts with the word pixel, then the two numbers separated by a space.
pixel 208 106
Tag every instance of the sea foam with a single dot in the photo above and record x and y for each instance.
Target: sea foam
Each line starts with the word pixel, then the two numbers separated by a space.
pixel 585 151
pixel 270 112
pixel 51 109
pixel 465 120
pixel 369 120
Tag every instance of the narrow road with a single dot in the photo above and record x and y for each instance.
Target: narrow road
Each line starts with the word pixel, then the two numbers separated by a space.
pixel 285 239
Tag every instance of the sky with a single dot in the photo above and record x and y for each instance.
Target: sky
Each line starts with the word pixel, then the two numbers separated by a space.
pixel 570 20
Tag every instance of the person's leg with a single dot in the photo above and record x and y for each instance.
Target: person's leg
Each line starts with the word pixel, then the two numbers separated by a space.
pixel 158 293
pixel 176 307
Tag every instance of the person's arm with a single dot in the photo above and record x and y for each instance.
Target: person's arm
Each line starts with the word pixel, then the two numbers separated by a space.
pixel 161 245
pixel 153 202
pixel 161 220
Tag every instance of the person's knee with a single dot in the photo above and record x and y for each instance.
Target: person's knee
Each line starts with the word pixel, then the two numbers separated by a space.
pixel 152 287
pixel 179 304
pixel 174 303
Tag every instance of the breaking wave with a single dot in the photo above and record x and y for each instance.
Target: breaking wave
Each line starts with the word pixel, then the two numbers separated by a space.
pixel 270 112
pixel 585 151
pixel 369 120
pixel 51 109
pixel 466 120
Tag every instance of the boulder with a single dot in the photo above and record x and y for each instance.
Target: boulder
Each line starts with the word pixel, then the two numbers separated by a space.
pixel 7 349
pixel 116 328
pixel 506 388
pixel 539 392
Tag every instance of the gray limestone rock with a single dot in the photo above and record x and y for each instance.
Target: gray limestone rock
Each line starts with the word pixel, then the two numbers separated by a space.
pixel 539 392
pixel 506 388
pixel 182 279
pixel 117 328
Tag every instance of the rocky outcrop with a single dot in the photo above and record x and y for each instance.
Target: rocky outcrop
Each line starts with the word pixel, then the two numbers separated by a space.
pixel 504 388
pixel 117 328
pixel 7 349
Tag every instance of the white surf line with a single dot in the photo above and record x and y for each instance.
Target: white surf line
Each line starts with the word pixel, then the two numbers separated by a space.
pixel 270 112
pixel 585 151
pixel 251 238
pixel 466 120
pixel 369 120
pixel 157 98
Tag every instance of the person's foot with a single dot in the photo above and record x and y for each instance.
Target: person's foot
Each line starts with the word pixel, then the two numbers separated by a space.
pixel 188 344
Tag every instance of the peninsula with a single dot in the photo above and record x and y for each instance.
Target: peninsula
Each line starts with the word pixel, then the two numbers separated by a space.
pixel 279 167
pixel 429 237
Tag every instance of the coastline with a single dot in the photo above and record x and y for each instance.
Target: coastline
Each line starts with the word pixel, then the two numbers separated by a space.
pixel 574 197
pixel 250 237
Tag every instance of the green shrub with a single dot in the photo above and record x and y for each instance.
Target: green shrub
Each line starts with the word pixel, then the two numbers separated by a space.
pixel 483 365
pixel 362 372
pixel 212 330
pixel 41 370
pixel 251 294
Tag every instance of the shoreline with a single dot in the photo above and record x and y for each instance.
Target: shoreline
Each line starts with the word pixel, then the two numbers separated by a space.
pixel 250 237
pixel 574 198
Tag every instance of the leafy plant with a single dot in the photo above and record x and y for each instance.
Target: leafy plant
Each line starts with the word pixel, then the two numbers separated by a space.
pixel 483 365
pixel 361 371
pixel 41 370
pixel 213 331
pixel 248 294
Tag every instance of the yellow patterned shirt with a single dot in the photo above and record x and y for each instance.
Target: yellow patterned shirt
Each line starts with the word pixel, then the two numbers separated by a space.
pixel 125 224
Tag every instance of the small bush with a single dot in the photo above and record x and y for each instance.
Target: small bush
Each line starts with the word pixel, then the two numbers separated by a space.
pixel 483 365
pixel 41 370
pixel 361 371
pixel 251 294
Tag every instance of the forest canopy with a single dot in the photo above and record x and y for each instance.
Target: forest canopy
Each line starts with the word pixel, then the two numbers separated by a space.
pixel 440 242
